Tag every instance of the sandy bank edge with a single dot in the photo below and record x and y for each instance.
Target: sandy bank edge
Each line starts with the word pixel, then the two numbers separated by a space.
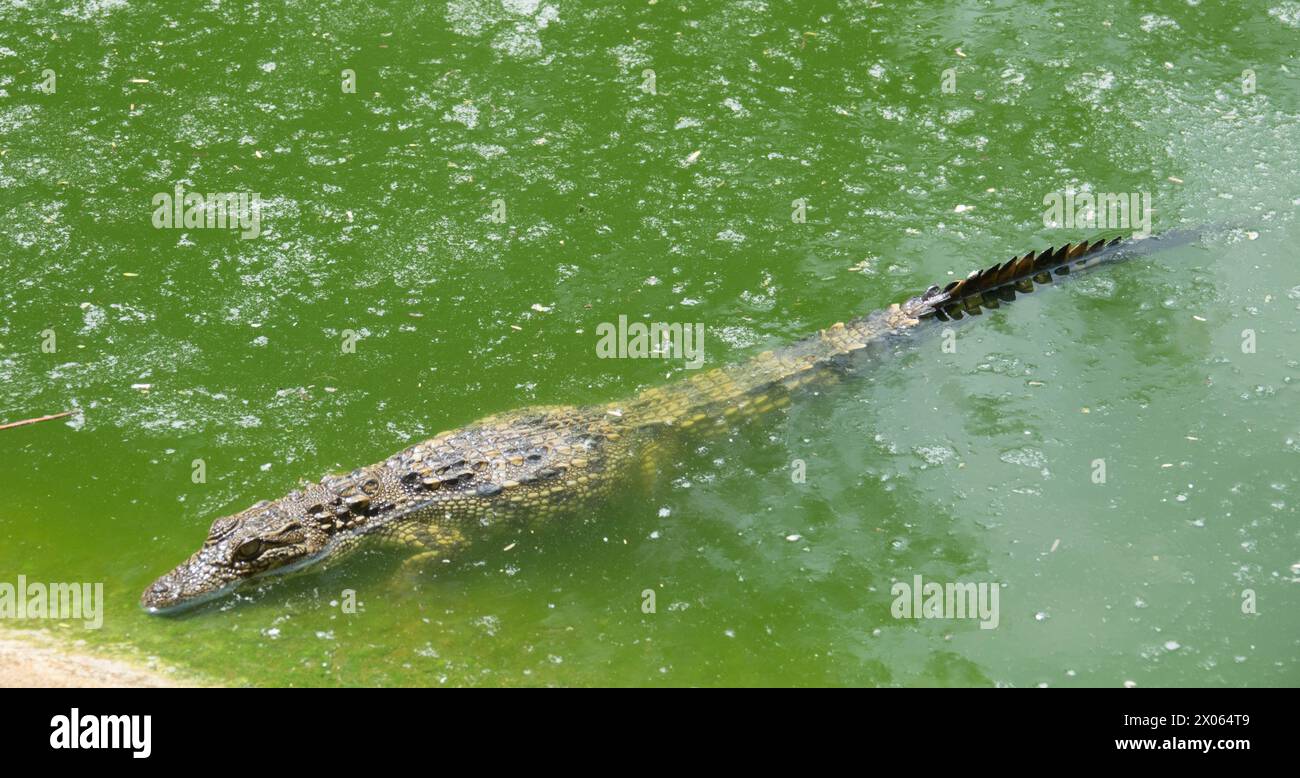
pixel 33 658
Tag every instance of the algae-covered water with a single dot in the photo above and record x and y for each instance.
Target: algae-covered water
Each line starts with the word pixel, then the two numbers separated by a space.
pixel 491 181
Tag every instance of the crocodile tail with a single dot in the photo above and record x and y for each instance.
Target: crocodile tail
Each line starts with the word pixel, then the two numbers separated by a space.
pixel 711 397
pixel 995 285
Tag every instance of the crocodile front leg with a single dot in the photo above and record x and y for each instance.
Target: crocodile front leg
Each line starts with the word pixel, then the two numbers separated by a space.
pixel 429 543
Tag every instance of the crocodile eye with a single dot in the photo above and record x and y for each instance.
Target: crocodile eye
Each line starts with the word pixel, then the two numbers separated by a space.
pixel 248 550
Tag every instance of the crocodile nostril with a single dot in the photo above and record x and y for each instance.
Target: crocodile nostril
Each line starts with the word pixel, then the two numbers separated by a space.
pixel 163 587
pixel 161 595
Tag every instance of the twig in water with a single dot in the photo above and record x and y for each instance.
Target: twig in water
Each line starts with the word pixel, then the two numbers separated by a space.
pixel 33 421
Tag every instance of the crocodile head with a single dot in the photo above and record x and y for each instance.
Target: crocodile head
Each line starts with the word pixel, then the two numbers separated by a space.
pixel 270 538
pixel 473 476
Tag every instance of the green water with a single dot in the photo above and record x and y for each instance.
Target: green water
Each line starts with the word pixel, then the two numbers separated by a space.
pixel 968 466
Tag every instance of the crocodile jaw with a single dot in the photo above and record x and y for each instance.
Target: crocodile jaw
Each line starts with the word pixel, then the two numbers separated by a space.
pixel 161 599
pixel 197 581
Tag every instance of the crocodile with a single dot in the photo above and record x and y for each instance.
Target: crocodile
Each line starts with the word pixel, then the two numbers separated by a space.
pixel 529 466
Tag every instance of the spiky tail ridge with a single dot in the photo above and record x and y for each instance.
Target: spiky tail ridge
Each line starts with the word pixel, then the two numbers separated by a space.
pixel 995 285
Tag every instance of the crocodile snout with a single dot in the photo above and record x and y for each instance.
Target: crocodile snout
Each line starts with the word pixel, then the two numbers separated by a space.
pixel 181 589
pixel 162 594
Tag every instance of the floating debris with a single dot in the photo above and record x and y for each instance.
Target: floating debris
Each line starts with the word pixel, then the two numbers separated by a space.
pixel 24 422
